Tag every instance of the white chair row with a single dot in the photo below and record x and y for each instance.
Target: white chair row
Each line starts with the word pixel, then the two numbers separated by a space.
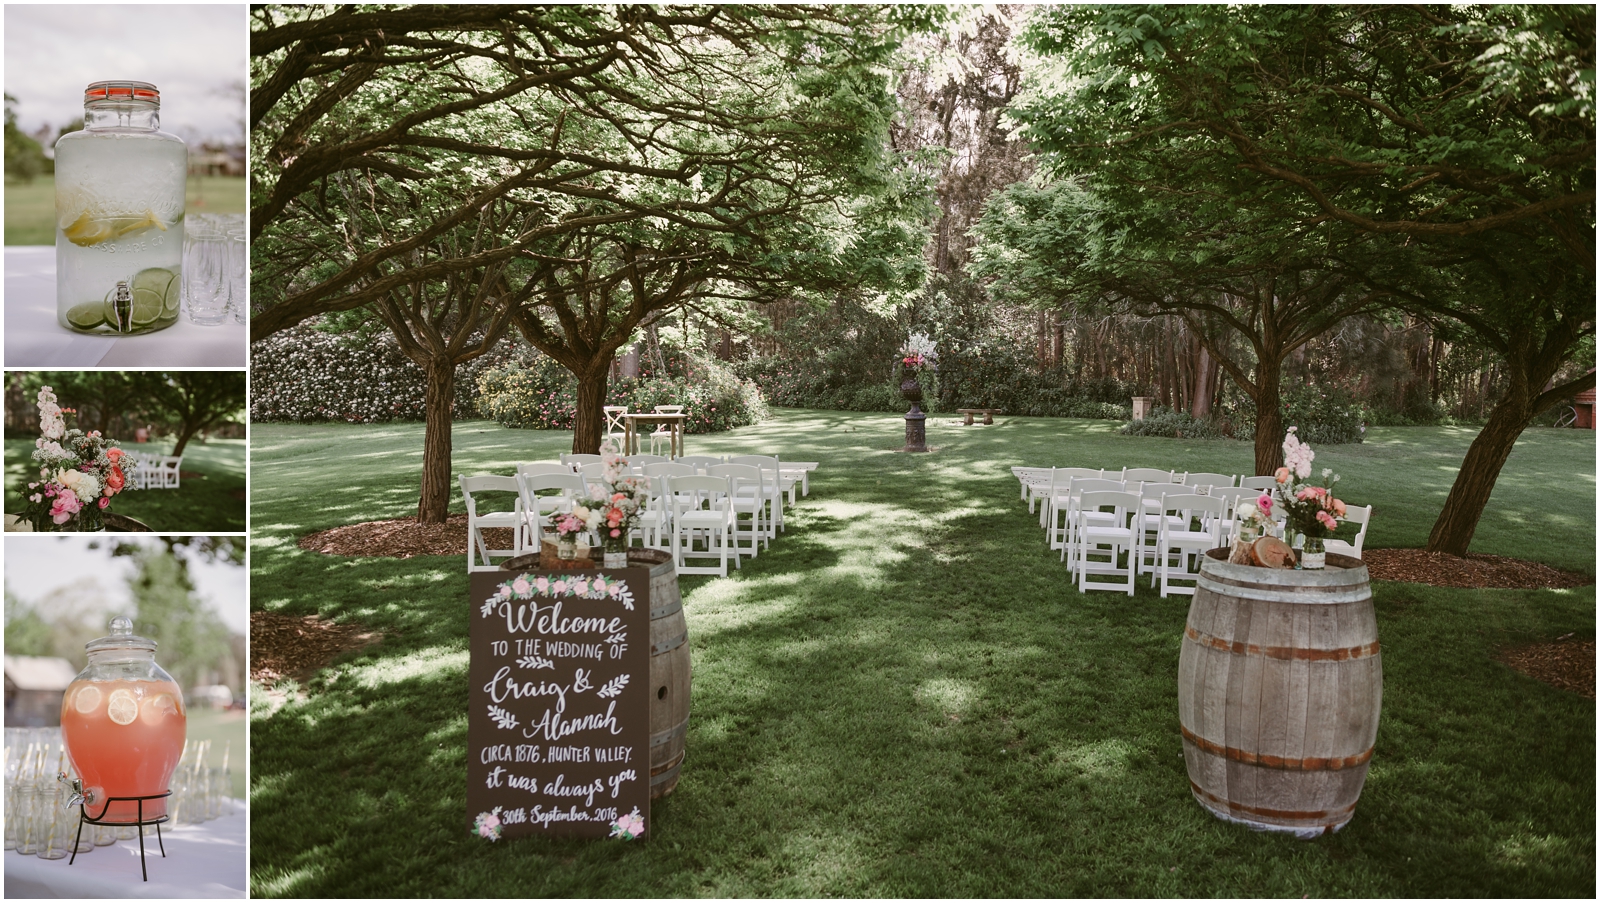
pixel 142 470
pixel 677 514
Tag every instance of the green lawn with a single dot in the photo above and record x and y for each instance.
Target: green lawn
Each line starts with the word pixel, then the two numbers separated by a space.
pixel 209 501
pixel 31 207
pixel 224 729
pixel 903 697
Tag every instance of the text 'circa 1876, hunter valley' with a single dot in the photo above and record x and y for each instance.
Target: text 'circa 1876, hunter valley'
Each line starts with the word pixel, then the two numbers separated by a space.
pixel 559 722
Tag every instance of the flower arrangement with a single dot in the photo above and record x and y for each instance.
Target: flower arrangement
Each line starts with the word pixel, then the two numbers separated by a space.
pixel 79 474
pixel 917 354
pixel 628 827
pixel 1310 506
pixel 487 824
pixel 614 506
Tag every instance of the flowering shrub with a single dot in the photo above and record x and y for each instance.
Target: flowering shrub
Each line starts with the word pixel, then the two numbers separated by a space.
pixel 1325 416
pixel 542 395
pixel 79 473
pixel 303 374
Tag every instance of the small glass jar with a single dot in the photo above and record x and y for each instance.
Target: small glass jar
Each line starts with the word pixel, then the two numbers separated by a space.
pixel 119 214
pixel 616 551
pixel 123 722
pixel 1313 556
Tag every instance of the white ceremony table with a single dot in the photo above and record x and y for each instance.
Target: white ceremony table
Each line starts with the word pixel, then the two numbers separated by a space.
pixel 207 860
pixel 34 339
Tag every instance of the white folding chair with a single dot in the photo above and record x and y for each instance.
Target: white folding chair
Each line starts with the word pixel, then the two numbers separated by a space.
pixel 746 483
pixel 1055 493
pixel 1147 529
pixel 1362 516
pixel 170 468
pixel 663 431
pixel 1231 497
pixel 1098 547
pixel 700 462
pixel 575 460
pixel 1208 480
pixel 702 504
pixel 1068 507
pixel 771 489
pixel 568 486
pixel 1179 539
pixel 1258 482
pixel 477 523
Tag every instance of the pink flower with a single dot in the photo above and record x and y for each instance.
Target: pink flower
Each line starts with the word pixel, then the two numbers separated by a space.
pixel 65 506
pixel 1264 502
pixel 1306 493
pixel 1338 507
pixel 615 533
pixel 1327 520
pixel 1282 475
pixel 105 501
pixel 520 586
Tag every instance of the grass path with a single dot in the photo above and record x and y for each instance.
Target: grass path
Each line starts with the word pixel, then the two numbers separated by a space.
pixel 904 698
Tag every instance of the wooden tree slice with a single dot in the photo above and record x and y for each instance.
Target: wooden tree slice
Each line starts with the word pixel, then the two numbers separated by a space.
pixel 1271 552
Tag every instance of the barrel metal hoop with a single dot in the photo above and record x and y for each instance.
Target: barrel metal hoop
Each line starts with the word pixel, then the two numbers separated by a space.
pixel 673 607
pixel 670 734
pixel 1285 653
pixel 669 645
pixel 671 774
pixel 1339 815
pixel 1288 595
pixel 1309 763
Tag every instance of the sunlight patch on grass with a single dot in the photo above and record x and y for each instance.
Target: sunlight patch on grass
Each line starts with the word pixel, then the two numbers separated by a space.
pixel 1524 848
pixel 1099 760
pixel 436 663
pixel 285 884
pixel 947 695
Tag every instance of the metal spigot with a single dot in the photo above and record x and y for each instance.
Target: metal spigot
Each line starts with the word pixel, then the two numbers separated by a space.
pixel 122 307
pixel 79 795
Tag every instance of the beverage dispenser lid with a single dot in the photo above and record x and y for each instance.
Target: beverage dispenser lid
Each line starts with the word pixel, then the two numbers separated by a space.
pixel 122 637
pixel 122 90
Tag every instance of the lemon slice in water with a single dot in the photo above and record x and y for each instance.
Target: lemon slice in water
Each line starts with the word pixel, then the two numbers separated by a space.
pixel 87 700
pixel 86 231
pixel 158 707
pixel 123 708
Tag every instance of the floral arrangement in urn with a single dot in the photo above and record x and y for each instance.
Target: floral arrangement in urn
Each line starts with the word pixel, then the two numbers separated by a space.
pixel 1311 507
pixel 917 354
pixel 79 474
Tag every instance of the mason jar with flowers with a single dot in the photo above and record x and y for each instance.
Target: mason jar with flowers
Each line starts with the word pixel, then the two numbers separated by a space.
pixel 79 474
pixel 919 360
pixel 1310 506
pixel 617 502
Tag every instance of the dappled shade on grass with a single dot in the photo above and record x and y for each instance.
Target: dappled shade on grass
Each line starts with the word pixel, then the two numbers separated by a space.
pixel 210 497
pixel 904 696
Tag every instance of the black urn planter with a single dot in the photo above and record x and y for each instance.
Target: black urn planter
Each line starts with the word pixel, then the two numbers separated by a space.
pixel 916 426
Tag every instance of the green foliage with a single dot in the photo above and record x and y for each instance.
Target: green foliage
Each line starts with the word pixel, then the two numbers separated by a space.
pixel 542 395
pixel 1169 424
pixel 27 632
pixel 191 637
pixel 25 159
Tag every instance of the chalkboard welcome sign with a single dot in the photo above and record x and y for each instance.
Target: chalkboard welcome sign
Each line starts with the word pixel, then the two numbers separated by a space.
pixel 558 732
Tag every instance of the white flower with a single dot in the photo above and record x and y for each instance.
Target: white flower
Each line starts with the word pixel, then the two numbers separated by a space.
pixel 83 485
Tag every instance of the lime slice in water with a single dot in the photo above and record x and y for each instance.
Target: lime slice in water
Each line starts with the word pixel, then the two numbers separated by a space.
pixel 154 289
pixel 88 315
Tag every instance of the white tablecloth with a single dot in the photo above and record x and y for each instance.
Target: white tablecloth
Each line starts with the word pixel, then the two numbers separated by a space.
pixel 35 340
pixel 208 860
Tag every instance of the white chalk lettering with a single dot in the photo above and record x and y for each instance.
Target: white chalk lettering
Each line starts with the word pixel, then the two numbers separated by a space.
pixel 553 727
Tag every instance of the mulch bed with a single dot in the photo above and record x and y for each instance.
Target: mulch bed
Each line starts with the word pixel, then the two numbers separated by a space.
pixel 402 538
pixel 297 646
pixel 1566 664
pixel 1472 572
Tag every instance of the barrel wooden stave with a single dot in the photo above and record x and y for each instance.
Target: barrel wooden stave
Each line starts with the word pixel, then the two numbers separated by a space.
pixel 1279 699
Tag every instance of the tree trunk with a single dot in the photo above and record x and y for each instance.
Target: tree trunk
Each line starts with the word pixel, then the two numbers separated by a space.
pixel 1205 376
pixel 1452 532
pixel 433 505
pixel 589 426
pixel 184 435
pixel 1269 415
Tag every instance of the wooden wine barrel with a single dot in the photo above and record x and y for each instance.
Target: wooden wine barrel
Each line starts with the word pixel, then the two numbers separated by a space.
pixel 669 664
pixel 1280 681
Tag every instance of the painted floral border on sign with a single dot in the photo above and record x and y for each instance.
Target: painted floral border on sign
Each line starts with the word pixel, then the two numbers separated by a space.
pixel 522 588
